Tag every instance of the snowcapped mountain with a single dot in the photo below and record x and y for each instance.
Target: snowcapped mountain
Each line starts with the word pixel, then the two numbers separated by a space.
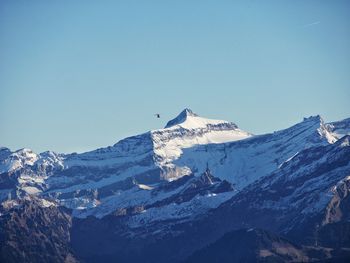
pixel 195 172
pixel 245 161
pixel 302 188
pixel 13 161
pixel 124 175
pixel 107 177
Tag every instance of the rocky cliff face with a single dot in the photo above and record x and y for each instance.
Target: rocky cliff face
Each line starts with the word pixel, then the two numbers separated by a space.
pixel 35 230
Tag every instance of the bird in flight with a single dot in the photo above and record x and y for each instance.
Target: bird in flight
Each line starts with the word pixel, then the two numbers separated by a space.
pixel 157 115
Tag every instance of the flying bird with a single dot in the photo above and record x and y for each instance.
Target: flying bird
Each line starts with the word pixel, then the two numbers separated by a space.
pixel 157 115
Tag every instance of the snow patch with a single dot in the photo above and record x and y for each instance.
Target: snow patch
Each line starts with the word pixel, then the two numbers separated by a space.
pixel 31 190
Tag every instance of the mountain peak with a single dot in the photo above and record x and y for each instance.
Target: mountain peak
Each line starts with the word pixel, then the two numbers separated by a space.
pixel 188 112
pixel 181 117
pixel 189 120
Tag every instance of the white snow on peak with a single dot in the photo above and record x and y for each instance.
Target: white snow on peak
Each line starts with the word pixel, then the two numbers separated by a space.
pixel 187 119
pixel 50 158
pixel 188 130
pixel 27 156
pixel 18 160
pixel 325 130
pixel 182 117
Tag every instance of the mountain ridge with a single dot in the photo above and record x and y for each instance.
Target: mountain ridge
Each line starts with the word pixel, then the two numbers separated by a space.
pixel 186 185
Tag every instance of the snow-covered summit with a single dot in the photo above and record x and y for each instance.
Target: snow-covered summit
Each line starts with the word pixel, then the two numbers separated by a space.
pixel 17 160
pixel 187 130
pixel 187 119
pixel 313 128
pixel 181 117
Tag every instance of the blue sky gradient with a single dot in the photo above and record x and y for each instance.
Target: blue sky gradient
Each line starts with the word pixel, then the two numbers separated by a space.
pixel 78 75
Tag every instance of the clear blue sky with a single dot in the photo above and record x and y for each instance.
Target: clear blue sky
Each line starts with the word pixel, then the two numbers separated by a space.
pixel 78 75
